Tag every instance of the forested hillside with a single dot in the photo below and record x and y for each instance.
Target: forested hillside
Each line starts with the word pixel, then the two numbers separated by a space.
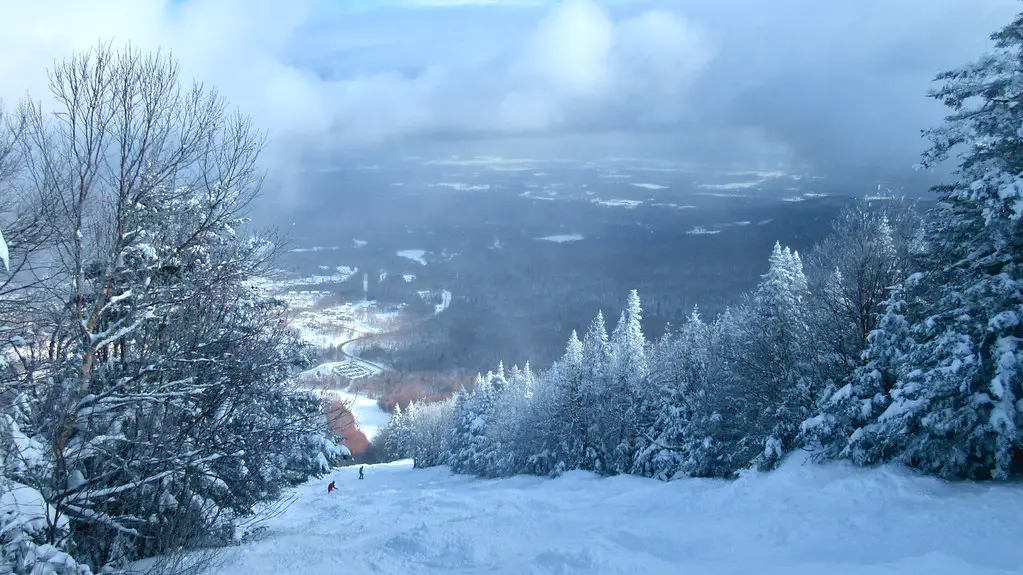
pixel 896 339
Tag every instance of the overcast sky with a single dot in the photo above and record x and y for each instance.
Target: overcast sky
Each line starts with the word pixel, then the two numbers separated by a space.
pixel 823 82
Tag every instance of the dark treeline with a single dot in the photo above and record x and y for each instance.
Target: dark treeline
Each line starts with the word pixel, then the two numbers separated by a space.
pixel 519 302
pixel 897 338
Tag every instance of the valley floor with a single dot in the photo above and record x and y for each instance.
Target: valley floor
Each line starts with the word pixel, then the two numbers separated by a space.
pixel 801 519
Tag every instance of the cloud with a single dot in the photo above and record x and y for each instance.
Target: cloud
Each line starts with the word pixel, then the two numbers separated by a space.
pixel 841 83
pixel 297 68
pixel 825 83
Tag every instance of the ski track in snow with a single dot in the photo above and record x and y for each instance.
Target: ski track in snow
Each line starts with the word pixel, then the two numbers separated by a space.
pixel 800 519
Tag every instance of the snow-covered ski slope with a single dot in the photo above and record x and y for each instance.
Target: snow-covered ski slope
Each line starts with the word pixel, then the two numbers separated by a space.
pixel 801 519
pixel 369 418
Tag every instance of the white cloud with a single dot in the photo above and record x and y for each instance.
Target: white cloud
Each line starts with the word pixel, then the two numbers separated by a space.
pixel 574 64
pixel 813 77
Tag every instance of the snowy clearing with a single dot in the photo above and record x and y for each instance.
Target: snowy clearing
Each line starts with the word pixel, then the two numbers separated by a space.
pixel 461 186
pixel 344 273
pixel 560 239
pixel 801 519
pixel 445 302
pixel 316 249
pixel 429 296
pixel 417 256
pixel 619 203
pixel 532 196
pixel 702 231
pixel 360 243
pixel 732 185
pixel 650 186
pixel 493 162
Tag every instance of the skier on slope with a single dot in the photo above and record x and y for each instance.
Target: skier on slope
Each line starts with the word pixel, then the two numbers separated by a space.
pixel 331 487
pixel 361 476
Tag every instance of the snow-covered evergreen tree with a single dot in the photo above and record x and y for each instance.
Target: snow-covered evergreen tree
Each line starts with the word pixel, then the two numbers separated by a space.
pixel 596 393
pixel 955 409
pixel 750 414
pixel 680 364
pixel 865 396
pixel 430 427
pixel 556 426
pixel 395 436
pixel 636 405
pixel 472 439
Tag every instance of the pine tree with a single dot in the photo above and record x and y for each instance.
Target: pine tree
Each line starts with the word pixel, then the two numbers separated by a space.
pixel 594 391
pixel 558 418
pixel 956 409
pixel 839 427
pixel 629 371
pixel 680 364
pixel 396 435
pixel 760 394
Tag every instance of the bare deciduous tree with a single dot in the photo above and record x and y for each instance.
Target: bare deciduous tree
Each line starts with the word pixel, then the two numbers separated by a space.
pixel 165 394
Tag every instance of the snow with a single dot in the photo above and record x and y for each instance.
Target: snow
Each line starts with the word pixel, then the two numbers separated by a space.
pixel 344 273
pixel 414 255
pixel 409 278
pixel 531 196
pixel 492 162
pixel 461 186
pixel 316 249
pixel 369 418
pixel 619 203
pixel 562 238
pixel 800 519
pixel 5 254
pixel 360 243
pixel 702 231
pixel 732 185
pixel 445 302
pixel 24 507
pixel 650 186
pixel 326 370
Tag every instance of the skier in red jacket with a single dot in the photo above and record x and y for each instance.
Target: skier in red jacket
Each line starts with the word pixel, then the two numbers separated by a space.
pixel 331 487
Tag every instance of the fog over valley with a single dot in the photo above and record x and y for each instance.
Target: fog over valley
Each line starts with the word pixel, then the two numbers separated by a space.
pixel 511 286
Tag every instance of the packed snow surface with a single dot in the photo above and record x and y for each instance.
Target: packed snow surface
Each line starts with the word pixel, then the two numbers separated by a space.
pixel 800 519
